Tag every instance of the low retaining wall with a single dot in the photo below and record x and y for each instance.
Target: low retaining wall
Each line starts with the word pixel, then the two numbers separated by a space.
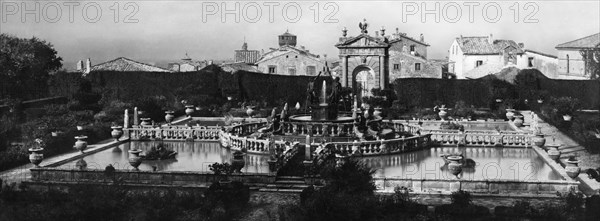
pixel 477 186
pixel 141 177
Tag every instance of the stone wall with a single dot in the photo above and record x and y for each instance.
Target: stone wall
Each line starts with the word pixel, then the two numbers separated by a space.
pixel 178 178
pixel 477 186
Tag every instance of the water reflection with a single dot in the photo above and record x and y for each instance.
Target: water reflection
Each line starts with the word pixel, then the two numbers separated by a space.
pixel 489 163
pixel 191 156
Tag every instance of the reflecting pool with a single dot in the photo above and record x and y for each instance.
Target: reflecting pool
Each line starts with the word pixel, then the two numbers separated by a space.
pixel 191 156
pixel 489 163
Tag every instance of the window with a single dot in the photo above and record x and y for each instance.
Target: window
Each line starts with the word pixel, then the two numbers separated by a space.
pixel 412 48
pixel 417 66
pixel 272 69
pixel 396 66
pixel 292 71
pixel 478 63
pixel 311 70
pixel 530 64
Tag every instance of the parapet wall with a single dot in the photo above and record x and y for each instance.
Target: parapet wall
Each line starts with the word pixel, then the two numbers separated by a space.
pixel 476 186
pixel 142 177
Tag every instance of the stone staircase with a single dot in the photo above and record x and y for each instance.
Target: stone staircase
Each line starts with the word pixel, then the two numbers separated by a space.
pixel 286 184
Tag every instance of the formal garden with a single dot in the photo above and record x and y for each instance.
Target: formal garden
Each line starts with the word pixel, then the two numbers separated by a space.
pixel 90 105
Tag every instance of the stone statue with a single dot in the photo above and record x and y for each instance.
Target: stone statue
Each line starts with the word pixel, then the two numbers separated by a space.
pixel 363 26
pixel 336 90
pixel 311 95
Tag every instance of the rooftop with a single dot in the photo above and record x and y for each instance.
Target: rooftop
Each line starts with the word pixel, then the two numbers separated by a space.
pixel 480 45
pixel 126 65
pixel 585 42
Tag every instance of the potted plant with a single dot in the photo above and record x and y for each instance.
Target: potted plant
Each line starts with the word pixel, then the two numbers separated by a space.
pixel 238 162
pixel 117 131
pixel 81 144
pixel 553 153
pixel 36 152
pixel 443 112
pixel 223 171
pixel 134 158
pixel 566 106
pixel 572 168
pixel 510 111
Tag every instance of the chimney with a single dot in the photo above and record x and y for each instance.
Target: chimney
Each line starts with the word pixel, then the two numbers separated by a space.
pixel 422 37
pixel 521 45
pixel 88 66
pixel 491 39
pixel 79 66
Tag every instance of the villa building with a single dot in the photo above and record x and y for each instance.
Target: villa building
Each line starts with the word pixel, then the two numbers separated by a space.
pixel 289 59
pixel 570 60
pixel 245 55
pixel 120 64
pixel 187 65
pixel 468 53
pixel 374 61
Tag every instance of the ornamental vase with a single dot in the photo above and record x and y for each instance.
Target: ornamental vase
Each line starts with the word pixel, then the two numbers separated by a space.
pixel 169 116
pixel 539 140
pixel 145 121
pixel 443 113
pixel 238 162
pixel 553 153
pixel 510 114
pixel 518 121
pixel 81 144
pixel 567 117
pixel 189 109
pixel 36 156
pixel 455 167
pixel 250 111
pixel 134 158
pixel 573 168
pixel 117 132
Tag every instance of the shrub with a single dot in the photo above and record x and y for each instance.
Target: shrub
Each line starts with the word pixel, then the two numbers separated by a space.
pixel 565 105
pixel 449 125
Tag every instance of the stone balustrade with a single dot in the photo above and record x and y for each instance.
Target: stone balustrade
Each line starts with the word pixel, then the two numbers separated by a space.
pixel 381 147
pixel 317 129
pixel 246 128
pixel 173 133
pixel 481 139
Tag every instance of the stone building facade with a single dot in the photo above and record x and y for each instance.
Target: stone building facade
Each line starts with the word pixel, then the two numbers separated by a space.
pixel 374 61
pixel 468 53
pixel 289 59
pixel 245 55
pixel 570 60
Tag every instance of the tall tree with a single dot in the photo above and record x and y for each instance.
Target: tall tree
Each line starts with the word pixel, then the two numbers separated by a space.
pixel 25 65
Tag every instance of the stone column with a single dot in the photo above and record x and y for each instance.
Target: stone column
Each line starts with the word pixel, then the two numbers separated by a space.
pixel 307 149
pixel 126 119
pixel 344 71
pixel 136 120
pixel 382 72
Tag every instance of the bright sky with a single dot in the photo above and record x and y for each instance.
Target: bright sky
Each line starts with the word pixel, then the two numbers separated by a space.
pixel 165 30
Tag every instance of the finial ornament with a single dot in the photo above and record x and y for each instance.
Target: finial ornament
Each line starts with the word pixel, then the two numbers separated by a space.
pixel 344 32
pixel 363 26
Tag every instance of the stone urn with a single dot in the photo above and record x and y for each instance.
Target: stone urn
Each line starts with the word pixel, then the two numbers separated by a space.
pixel 81 144
pixel 443 112
pixel 377 112
pixel 454 165
pixel 250 111
pixel 117 132
pixel 169 117
pixel 572 168
pixel 567 117
pixel 539 140
pixel 189 110
pixel 553 153
pixel 238 162
pixel 510 114
pixel 134 158
pixel 145 121
pixel 36 156
pixel 518 120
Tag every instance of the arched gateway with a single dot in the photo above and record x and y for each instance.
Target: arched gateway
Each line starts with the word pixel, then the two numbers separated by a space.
pixel 364 61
